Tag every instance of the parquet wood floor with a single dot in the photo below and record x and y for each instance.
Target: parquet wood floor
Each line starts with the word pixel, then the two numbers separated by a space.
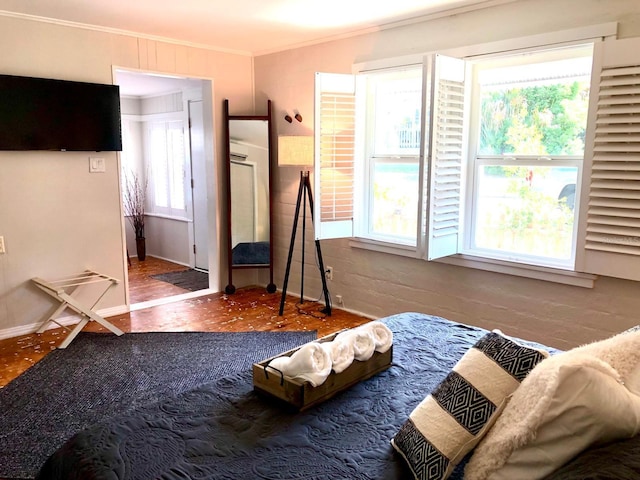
pixel 247 310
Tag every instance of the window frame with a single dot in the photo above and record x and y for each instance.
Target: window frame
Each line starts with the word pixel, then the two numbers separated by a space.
pixel 169 180
pixel 476 160
pixel 364 223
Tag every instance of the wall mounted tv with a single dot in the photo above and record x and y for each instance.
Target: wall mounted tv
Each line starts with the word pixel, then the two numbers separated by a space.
pixel 46 114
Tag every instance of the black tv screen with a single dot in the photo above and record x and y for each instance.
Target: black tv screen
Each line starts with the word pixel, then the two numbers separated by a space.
pixel 46 114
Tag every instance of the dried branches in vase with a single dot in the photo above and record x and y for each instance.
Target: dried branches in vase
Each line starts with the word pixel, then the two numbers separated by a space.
pixel 135 196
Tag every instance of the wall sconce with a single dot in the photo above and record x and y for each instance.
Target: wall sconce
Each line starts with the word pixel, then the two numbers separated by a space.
pixel 298 117
pixel 288 118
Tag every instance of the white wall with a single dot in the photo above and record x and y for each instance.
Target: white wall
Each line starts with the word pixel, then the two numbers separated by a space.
pixel 380 284
pixel 55 216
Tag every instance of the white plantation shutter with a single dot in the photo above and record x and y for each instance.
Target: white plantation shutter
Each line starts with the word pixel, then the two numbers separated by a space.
pixel 167 160
pixel 335 145
pixel 175 149
pixel 610 233
pixel 447 145
pixel 159 164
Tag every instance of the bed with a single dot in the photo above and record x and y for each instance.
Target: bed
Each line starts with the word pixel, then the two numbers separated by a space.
pixel 251 253
pixel 226 431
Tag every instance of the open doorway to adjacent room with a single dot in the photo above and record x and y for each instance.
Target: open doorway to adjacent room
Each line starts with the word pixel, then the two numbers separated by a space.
pixel 167 152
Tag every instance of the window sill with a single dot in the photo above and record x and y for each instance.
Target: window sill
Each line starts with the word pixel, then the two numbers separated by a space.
pixel 384 247
pixel 168 217
pixel 556 275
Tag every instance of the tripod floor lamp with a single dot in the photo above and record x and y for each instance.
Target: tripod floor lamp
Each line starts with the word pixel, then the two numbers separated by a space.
pixel 298 151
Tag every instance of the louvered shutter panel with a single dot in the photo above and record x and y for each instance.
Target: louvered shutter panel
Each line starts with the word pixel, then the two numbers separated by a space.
pixel 175 148
pixel 446 156
pixel 159 164
pixel 335 144
pixel 610 236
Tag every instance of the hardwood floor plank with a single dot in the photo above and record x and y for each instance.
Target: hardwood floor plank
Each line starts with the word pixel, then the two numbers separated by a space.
pixel 143 288
pixel 249 309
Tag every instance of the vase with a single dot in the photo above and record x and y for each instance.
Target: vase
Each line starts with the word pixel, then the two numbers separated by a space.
pixel 141 248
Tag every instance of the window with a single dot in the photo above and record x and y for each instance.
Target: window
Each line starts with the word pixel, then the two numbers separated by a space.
pixel 528 126
pixel 528 159
pixel 392 152
pixel 378 118
pixel 167 162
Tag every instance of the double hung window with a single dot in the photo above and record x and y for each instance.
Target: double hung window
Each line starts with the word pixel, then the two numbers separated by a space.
pixel 167 161
pixel 376 197
pixel 392 151
pixel 528 126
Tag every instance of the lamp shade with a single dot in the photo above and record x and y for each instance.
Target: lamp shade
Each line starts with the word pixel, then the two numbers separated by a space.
pixel 295 151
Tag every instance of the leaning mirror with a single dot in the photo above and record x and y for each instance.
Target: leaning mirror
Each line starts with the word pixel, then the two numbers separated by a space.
pixel 249 162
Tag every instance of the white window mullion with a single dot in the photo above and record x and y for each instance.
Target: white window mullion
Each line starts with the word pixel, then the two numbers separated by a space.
pixel 609 235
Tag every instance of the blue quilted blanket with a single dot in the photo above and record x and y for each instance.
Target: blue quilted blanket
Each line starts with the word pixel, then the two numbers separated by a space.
pixel 225 431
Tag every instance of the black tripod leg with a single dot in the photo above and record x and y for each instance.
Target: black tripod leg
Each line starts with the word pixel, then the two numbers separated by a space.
pixel 323 274
pixel 292 244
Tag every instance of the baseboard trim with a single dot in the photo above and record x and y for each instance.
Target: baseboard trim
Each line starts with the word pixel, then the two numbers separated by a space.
pixel 66 321
pixel 166 259
pixel 338 307
pixel 174 298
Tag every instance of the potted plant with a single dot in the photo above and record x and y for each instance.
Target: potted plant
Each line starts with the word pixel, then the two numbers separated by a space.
pixel 135 195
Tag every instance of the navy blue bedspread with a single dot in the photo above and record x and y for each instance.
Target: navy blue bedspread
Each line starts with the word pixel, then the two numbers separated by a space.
pixel 225 431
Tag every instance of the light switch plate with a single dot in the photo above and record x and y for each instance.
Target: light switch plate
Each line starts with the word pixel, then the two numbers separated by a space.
pixel 96 165
pixel 2 250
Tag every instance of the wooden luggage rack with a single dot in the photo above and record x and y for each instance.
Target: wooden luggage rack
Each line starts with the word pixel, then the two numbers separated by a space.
pixel 62 289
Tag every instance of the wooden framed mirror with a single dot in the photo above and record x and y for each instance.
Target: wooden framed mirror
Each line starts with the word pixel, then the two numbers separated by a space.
pixel 249 181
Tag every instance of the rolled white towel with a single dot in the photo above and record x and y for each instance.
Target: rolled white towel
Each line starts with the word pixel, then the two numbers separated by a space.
pixel 382 335
pixel 280 364
pixel 310 363
pixel 362 340
pixel 341 352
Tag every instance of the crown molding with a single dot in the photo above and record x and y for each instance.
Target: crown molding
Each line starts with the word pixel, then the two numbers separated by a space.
pixel 117 31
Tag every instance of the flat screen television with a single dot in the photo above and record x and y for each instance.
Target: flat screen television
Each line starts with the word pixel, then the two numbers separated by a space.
pixel 46 114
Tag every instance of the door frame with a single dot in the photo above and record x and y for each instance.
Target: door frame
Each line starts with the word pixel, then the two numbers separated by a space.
pixel 213 212
pixel 195 184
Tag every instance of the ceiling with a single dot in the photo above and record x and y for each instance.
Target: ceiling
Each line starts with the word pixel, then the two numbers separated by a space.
pixel 247 26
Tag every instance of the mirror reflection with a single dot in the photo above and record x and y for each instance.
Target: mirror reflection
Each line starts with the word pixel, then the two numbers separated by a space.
pixel 249 182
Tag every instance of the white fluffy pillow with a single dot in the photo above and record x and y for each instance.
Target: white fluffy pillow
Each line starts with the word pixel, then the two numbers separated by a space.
pixel 566 404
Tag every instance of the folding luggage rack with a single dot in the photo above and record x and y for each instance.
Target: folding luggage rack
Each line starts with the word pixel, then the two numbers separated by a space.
pixel 62 289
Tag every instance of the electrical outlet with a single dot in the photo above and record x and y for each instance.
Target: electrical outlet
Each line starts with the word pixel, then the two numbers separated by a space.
pixel 329 272
pixel 2 250
pixel 339 299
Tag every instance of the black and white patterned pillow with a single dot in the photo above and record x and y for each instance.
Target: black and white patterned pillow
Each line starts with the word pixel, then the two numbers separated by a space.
pixel 450 422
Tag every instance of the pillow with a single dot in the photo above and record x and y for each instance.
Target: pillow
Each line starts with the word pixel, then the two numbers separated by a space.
pixel 568 403
pixel 450 421
pixel 619 460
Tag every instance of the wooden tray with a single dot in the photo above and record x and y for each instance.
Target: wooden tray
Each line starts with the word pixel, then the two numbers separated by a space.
pixel 302 395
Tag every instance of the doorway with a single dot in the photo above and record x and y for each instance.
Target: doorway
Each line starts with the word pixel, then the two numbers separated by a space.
pixel 165 134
